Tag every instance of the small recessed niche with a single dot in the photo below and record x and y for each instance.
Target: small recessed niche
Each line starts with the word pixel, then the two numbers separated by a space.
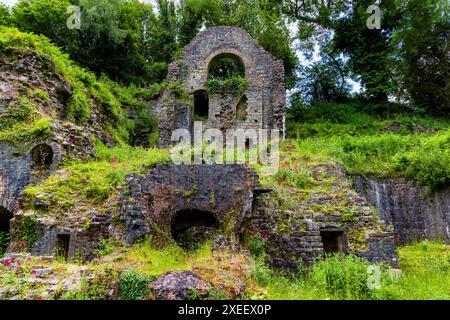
pixel 62 246
pixel 241 109
pixel 333 241
pixel 41 157
pixel 201 105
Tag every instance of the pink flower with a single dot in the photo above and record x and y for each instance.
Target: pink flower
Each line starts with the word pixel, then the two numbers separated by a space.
pixel 211 182
pixel 113 160
pixel 24 242
pixel 39 298
pixel 33 272
pixel 5 262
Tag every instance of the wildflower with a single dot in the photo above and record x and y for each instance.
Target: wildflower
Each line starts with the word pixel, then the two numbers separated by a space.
pixel 33 272
pixel 39 298
pixel 24 242
pixel 5 262
pixel 113 161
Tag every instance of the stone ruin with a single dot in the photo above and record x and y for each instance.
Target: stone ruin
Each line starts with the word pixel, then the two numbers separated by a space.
pixel 223 199
pixel 260 106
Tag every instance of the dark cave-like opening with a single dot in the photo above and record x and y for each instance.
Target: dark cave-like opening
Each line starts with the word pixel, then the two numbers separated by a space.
pixel 333 241
pixel 62 246
pixel 42 157
pixel 5 218
pixel 201 105
pixel 190 228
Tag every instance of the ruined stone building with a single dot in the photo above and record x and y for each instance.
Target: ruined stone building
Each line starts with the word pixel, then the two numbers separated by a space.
pixel 225 80
pixel 223 56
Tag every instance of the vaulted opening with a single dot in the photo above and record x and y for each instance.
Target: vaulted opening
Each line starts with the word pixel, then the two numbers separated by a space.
pixel 5 218
pixel 241 109
pixel 190 228
pixel 333 241
pixel 201 105
pixel 62 246
pixel 41 157
pixel 226 66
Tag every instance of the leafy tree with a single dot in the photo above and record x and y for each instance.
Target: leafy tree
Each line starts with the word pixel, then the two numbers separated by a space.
pixel 5 16
pixel 45 17
pixel 422 39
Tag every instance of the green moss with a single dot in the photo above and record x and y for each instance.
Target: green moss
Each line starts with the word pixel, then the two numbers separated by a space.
pixel 92 183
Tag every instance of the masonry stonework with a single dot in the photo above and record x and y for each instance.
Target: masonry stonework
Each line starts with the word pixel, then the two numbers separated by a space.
pixel 265 95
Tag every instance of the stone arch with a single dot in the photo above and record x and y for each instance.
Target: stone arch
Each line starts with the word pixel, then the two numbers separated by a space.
pixel 42 157
pixel 226 65
pixel 244 58
pixel 198 223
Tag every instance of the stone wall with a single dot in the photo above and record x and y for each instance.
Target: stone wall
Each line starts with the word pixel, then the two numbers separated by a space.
pixel 265 94
pixel 16 171
pixel 415 214
pixel 294 235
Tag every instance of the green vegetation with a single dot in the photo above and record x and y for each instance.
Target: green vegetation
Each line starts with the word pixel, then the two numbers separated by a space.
pixel 27 232
pixel 133 285
pixel 424 275
pixel 85 183
pixel 5 238
pixel 235 85
pixel 87 89
pixel 419 147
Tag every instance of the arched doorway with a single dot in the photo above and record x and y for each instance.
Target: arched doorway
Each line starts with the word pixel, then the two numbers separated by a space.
pixel 41 157
pixel 190 228
pixel 5 218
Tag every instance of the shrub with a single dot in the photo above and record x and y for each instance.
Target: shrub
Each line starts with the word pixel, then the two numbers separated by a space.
pixel 345 277
pixel 134 285
pixel 4 242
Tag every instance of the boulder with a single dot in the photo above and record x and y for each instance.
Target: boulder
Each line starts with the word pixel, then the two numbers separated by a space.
pixel 179 285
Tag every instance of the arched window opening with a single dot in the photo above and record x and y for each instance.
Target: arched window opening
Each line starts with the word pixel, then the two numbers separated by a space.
pixel 190 228
pixel 201 105
pixel 226 66
pixel 241 109
pixel 42 157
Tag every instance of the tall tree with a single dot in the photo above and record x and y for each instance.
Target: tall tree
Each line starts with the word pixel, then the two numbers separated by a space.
pixel 422 40
pixel 5 16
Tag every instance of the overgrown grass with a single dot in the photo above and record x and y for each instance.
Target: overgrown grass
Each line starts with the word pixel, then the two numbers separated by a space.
pixel 91 183
pixel 88 90
pixel 358 141
pixel 425 274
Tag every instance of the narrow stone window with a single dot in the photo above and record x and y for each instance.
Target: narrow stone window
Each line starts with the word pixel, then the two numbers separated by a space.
pixel 62 246
pixel 201 105
pixel 333 241
pixel 241 109
pixel 42 157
